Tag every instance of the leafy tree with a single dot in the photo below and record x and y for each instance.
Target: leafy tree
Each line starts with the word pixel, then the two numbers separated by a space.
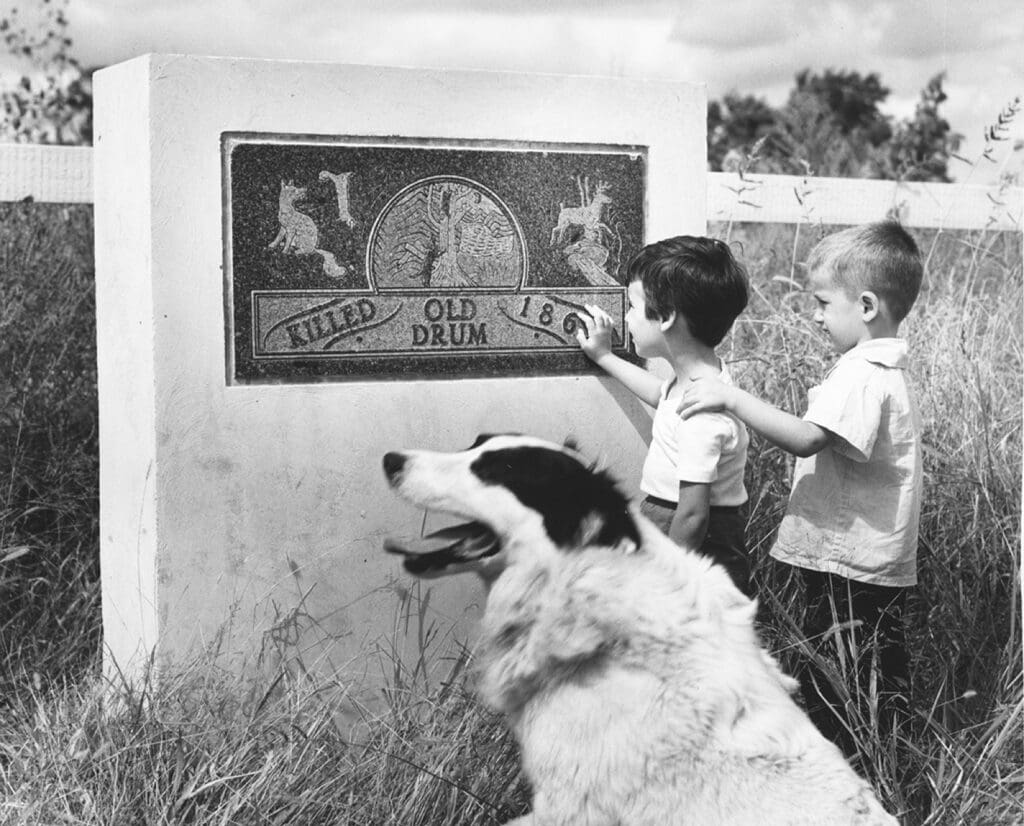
pixel 849 101
pixel 735 121
pixel 832 124
pixel 812 137
pixel 52 100
pixel 923 145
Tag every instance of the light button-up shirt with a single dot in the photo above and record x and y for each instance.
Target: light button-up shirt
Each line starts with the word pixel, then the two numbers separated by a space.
pixel 855 506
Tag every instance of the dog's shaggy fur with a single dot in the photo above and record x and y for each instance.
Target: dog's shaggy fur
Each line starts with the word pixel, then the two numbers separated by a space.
pixel 627 667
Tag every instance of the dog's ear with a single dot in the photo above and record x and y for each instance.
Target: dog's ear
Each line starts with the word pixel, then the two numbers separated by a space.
pixel 594 530
pixel 627 546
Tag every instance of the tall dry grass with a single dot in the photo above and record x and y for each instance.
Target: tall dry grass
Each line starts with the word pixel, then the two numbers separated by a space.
pixel 49 466
pixel 210 748
pixel 962 760
pixel 204 747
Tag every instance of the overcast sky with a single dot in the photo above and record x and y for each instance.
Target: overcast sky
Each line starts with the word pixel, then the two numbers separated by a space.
pixel 753 46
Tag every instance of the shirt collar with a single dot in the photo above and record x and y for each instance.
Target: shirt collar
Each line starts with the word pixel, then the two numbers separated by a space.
pixel 888 352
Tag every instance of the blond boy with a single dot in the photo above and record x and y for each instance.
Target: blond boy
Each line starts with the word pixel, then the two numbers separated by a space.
pixel 851 524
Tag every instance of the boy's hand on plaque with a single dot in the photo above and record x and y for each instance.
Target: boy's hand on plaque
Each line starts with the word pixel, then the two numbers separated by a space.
pixel 595 335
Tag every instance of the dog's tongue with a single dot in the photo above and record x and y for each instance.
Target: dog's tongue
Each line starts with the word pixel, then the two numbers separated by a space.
pixel 448 546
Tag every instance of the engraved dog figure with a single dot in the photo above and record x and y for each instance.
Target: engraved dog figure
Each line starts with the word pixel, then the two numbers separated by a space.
pixel 587 216
pixel 298 234
pixel 341 184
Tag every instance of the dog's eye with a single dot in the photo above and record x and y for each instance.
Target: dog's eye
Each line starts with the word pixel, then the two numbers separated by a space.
pixel 571 443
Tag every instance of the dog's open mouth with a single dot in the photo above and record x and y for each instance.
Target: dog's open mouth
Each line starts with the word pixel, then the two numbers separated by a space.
pixel 454 545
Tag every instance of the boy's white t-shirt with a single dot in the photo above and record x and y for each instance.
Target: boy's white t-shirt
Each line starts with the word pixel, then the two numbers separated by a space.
pixel 854 507
pixel 707 448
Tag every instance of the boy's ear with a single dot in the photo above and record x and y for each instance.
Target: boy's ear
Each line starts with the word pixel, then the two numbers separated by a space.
pixel 667 321
pixel 869 305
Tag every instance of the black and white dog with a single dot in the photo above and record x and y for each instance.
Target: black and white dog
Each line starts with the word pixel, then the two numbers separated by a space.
pixel 627 667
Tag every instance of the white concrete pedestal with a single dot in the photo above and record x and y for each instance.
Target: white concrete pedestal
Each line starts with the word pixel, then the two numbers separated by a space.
pixel 249 518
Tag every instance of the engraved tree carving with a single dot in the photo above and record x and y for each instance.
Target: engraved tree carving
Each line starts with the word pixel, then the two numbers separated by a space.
pixel 587 253
pixel 447 206
pixel 298 233
pixel 447 234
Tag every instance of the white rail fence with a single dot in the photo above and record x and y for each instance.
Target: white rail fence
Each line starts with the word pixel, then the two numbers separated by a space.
pixel 63 174
pixel 50 174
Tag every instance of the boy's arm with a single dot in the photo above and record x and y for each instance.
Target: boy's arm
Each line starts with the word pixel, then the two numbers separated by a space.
pixel 792 434
pixel 595 337
pixel 690 523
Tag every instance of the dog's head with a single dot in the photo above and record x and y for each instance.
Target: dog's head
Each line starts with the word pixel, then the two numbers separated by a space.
pixel 516 491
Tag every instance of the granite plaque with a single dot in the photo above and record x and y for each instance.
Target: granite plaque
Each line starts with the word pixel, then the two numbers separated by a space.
pixel 351 257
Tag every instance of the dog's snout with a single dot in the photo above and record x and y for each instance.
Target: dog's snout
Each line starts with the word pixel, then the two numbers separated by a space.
pixel 393 464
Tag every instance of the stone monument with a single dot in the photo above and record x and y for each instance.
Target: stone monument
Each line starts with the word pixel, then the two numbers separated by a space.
pixel 301 266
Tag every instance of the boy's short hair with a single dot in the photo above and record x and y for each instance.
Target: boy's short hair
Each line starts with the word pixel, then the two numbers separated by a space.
pixel 880 257
pixel 695 277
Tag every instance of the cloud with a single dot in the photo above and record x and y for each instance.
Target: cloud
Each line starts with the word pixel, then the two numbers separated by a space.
pixel 751 46
pixel 760 47
pixel 735 26
pixel 926 29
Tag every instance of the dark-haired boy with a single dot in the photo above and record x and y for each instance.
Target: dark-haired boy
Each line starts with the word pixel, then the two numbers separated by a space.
pixel 852 520
pixel 684 294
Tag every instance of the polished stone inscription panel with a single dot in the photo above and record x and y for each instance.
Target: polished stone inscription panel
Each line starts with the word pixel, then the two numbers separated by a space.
pixel 355 257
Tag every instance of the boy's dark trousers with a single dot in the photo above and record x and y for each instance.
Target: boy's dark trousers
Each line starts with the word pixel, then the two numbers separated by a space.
pixel 867 621
pixel 725 540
